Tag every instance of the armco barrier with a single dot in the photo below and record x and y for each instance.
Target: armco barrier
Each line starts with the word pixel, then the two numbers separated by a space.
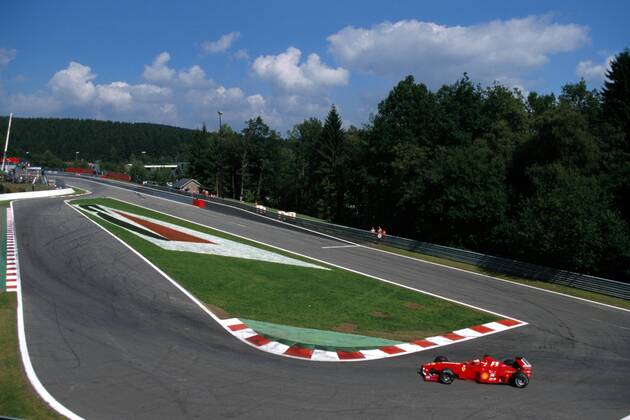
pixel 490 263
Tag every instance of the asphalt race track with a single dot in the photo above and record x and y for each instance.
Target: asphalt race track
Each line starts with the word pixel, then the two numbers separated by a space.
pixel 110 338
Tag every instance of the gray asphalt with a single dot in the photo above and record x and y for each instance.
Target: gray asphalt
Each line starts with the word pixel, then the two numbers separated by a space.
pixel 110 338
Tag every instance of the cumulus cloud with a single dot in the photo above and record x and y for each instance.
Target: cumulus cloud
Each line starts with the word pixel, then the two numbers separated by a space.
pixel 594 72
pixel 159 70
pixel 220 45
pixel 285 71
pixel 6 56
pixel 439 53
pixel 185 97
pixel 74 83
pixel 194 77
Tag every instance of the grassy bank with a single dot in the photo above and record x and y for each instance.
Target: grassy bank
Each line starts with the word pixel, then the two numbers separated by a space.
pixel 597 297
pixel 17 398
pixel 333 299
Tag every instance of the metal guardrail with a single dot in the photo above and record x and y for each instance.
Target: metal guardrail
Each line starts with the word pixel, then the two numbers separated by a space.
pixel 490 263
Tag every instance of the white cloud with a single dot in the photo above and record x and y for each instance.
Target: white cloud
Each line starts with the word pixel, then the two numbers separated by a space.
pixel 593 71
pixel 285 71
pixel 220 45
pixel 6 56
pixel 159 71
pixel 74 83
pixel 241 55
pixel 193 77
pixel 439 54
pixel 256 101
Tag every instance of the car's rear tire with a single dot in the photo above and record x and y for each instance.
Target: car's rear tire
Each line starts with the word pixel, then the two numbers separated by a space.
pixel 520 380
pixel 447 376
pixel 441 359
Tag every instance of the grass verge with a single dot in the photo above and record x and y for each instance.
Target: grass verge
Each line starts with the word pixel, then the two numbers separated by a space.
pixel 597 297
pixel 17 398
pixel 335 299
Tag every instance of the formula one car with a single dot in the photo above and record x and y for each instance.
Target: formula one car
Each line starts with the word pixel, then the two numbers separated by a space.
pixel 487 370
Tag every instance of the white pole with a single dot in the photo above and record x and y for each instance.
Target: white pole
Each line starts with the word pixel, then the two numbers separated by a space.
pixel 6 143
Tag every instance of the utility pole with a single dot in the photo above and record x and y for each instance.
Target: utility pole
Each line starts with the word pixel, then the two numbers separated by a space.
pixel 216 178
pixel 6 143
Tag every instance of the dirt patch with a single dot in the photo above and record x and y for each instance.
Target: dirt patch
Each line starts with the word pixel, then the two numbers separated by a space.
pixel 379 314
pixel 220 312
pixel 345 328
pixel 413 305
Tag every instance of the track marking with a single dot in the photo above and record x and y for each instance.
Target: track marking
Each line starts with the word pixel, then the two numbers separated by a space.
pixel 340 246
pixel 380 250
pixel 318 260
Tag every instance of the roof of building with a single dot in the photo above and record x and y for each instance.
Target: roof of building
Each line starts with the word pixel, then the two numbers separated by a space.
pixel 184 181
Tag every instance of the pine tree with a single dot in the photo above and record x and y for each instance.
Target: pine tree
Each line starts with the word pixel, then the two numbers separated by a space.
pixel 616 93
pixel 330 168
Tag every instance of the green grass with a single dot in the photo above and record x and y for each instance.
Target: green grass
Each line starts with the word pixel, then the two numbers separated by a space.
pixel 77 191
pixel 332 299
pixel 597 297
pixel 5 204
pixel 17 398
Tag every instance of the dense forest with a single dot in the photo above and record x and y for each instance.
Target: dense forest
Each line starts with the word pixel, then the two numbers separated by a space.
pixel 52 141
pixel 541 178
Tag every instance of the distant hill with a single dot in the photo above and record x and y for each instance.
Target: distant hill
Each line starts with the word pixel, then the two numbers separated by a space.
pixel 95 140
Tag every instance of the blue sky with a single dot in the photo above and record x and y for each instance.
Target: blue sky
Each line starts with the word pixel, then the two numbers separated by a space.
pixel 180 62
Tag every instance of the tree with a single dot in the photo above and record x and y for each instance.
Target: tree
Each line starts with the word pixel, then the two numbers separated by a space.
pixel 616 93
pixel 331 156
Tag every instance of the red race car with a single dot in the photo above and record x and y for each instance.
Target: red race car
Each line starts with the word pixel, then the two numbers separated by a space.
pixel 487 370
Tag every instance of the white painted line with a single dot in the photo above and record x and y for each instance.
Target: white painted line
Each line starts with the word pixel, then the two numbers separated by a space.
pixel 26 360
pixel 340 246
pixel 307 257
pixel 379 250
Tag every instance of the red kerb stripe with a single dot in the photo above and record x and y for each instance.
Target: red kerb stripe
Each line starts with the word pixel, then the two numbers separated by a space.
pixel 392 349
pixel 509 322
pixel 258 340
pixel 298 351
pixel 348 355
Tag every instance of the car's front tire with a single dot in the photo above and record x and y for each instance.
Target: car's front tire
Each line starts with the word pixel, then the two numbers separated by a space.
pixel 447 376
pixel 520 380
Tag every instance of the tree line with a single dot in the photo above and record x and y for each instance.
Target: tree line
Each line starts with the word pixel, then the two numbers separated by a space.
pixel 50 141
pixel 541 178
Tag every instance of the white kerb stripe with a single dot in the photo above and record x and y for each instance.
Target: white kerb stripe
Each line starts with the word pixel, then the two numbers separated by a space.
pixel 245 333
pixel 439 340
pixel 374 354
pixel 467 332
pixel 496 326
pixel 230 321
pixel 324 355
pixel 409 347
pixel 274 347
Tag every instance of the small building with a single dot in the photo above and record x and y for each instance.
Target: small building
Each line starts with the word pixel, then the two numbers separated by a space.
pixel 188 185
